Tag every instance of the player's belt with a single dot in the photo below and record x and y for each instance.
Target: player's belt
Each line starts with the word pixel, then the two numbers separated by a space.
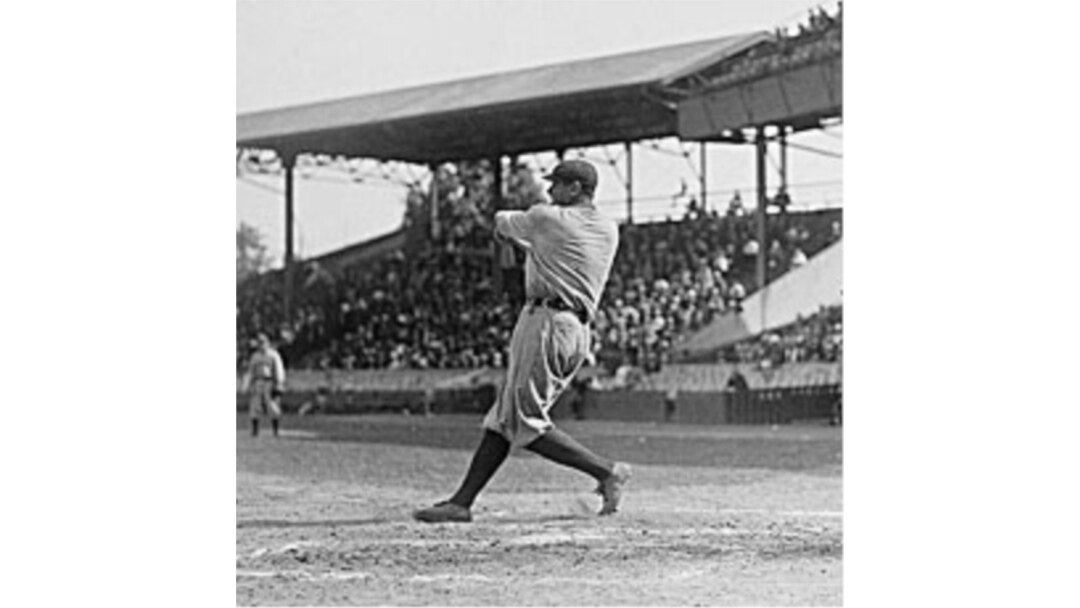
pixel 560 305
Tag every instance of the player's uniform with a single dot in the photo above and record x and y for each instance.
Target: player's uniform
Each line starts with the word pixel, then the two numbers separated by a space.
pixel 570 251
pixel 266 372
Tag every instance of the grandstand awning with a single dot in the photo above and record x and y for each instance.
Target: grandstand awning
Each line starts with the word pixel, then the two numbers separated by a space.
pixel 582 103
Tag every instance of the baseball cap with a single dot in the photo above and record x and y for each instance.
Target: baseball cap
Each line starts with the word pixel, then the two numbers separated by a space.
pixel 575 171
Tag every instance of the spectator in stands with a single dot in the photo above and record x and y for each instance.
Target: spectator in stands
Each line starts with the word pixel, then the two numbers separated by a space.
pixel 777 258
pixel 736 294
pixel 750 249
pixel 737 382
pixel 670 399
pixel 735 206
pixel 782 201
pixel 798 258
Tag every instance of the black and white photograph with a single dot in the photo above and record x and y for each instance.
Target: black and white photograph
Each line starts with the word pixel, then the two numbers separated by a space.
pixel 539 303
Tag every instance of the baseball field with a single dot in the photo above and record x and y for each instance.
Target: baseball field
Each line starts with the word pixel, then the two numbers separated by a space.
pixel 714 515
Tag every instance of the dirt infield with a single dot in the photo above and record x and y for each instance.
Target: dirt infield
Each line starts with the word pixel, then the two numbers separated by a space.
pixel 713 516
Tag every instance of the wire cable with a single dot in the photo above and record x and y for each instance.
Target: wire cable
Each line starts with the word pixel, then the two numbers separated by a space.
pixel 814 150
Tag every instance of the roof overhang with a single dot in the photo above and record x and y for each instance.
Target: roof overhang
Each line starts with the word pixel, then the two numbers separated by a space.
pixel 582 103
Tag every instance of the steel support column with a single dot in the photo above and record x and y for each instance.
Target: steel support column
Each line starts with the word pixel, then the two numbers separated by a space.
pixel 496 205
pixel 497 182
pixel 783 158
pixel 433 197
pixel 288 164
pixel 629 183
pixel 704 184
pixel 762 207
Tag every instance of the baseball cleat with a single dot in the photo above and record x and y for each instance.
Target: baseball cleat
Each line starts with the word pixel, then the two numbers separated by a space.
pixel 611 489
pixel 443 512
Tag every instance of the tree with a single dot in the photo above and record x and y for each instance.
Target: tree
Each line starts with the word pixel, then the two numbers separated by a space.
pixel 251 255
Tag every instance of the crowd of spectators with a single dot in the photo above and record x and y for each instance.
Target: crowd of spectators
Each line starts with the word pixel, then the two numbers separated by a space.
pixel 438 303
pixel 432 305
pixel 818 337
pixel 675 277
pixel 817 39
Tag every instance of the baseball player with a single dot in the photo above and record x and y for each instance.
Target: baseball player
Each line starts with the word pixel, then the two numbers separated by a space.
pixel 570 247
pixel 265 378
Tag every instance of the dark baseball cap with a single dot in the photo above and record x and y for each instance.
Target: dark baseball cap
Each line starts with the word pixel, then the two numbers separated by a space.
pixel 575 171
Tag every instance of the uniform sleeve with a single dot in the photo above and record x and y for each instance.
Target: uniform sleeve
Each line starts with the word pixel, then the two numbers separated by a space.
pixel 249 374
pixel 279 370
pixel 521 226
pixel 513 224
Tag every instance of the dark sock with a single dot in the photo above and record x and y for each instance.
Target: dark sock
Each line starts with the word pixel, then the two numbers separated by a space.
pixel 489 456
pixel 274 425
pixel 254 427
pixel 562 448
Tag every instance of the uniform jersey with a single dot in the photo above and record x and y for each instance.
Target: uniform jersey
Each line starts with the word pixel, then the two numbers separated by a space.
pixel 570 251
pixel 266 371
pixel 266 365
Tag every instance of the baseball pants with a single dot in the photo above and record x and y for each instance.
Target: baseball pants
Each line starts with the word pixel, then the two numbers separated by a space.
pixel 263 401
pixel 546 350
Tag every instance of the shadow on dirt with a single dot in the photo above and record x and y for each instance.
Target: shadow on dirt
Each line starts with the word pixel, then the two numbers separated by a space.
pixel 312 523
pixel 786 448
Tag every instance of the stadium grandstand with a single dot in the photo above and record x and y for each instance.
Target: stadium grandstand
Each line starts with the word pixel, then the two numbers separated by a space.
pixel 692 300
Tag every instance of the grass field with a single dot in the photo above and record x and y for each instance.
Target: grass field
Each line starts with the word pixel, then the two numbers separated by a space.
pixel 720 515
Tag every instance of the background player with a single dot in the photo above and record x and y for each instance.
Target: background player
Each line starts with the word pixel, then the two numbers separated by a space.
pixel 265 378
pixel 570 248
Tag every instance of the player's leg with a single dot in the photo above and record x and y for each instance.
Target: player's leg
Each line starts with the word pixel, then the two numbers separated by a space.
pixel 487 459
pixel 567 345
pixel 489 456
pixel 556 445
pixel 611 476
pixel 274 407
pixel 254 405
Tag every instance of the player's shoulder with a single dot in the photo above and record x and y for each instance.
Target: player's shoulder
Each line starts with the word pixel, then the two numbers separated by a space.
pixel 541 210
pixel 601 219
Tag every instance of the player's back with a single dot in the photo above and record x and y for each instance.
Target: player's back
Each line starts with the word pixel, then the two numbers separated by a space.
pixel 572 254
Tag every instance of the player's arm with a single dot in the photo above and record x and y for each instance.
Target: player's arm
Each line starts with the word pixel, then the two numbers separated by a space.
pixel 279 373
pixel 514 227
pixel 249 373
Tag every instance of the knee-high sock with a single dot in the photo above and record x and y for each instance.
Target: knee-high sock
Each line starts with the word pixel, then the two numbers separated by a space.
pixel 562 448
pixel 489 456
pixel 254 426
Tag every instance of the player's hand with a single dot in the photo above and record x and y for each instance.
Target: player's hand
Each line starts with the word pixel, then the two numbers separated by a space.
pixel 277 392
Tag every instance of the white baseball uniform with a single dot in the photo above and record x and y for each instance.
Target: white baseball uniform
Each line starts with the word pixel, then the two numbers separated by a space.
pixel 266 371
pixel 570 251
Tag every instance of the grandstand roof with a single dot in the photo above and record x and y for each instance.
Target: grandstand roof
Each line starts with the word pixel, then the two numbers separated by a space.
pixel 580 103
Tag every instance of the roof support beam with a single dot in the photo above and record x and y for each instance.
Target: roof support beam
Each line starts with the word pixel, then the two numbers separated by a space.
pixel 704 182
pixel 288 164
pixel 783 158
pixel 629 182
pixel 762 205
pixel 500 251
pixel 434 196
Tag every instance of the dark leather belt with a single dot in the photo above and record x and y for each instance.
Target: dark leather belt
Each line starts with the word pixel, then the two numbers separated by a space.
pixel 557 304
